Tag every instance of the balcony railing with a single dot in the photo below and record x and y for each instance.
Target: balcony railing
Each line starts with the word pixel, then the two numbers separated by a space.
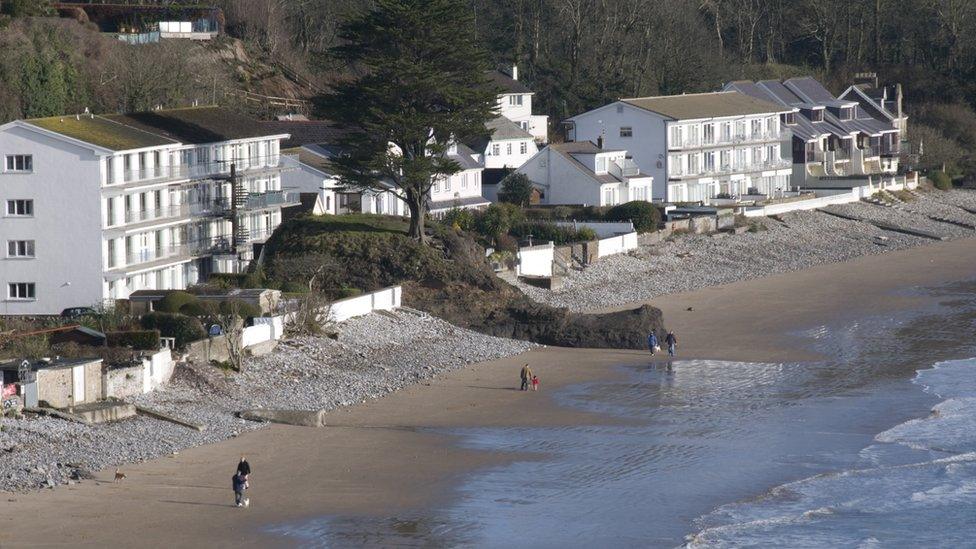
pixel 168 212
pixel 195 171
pixel 726 169
pixel 185 250
pixel 733 139
pixel 270 199
pixel 624 168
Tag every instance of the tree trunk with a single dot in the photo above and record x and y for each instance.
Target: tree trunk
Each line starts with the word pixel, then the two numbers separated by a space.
pixel 417 202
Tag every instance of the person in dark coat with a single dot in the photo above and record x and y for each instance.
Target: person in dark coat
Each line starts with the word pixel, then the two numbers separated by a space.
pixel 526 375
pixel 244 469
pixel 238 483
pixel 652 344
pixel 672 342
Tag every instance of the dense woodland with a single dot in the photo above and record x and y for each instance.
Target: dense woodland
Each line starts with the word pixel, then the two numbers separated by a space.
pixel 576 54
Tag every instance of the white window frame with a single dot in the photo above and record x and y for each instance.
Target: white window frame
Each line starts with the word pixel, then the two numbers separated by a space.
pixel 11 161
pixel 508 148
pixel 496 149
pixel 15 289
pixel 11 208
pixel 523 147
pixel 20 249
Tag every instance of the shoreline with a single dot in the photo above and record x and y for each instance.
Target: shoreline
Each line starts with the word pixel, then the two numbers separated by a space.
pixel 379 456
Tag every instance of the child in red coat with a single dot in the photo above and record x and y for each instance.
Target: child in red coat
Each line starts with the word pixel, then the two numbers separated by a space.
pixel 535 383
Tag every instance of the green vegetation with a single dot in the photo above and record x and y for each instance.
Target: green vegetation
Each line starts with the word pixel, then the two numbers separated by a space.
pixel 941 180
pixel 544 232
pixel 143 340
pixel 497 220
pixel 516 188
pixel 186 329
pixel 399 95
pixel 644 215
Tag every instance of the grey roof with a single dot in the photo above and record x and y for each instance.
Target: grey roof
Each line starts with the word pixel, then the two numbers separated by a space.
pixel 571 149
pixel 465 157
pixel 807 93
pixel 506 83
pixel 705 105
pixel 501 129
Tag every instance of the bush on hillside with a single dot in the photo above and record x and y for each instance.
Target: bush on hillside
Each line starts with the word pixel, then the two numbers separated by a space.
pixel 643 214
pixel 498 219
pixel 515 188
pixel 459 218
pixel 174 302
pixel 941 180
pixel 185 329
pixel 142 340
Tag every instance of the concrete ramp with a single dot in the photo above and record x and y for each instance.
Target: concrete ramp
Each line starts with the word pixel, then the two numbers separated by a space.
pixel 884 225
pixel 302 418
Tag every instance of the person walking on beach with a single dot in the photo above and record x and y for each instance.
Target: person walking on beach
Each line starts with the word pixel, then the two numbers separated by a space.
pixel 526 375
pixel 244 469
pixel 238 483
pixel 535 383
pixel 652 344
pixel 671 340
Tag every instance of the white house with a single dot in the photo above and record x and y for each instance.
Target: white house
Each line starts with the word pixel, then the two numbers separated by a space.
pixel 696 146
pixel 836 143
pixel 509 146
pixel 515 104
pixel 96 207
pixel 462 189
pixel 582 172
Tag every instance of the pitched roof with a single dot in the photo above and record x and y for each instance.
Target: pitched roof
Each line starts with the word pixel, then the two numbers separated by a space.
pixel 506 83
pixel 195 125
pixel 570 149
pixel 705 105
pixel 101 132
pixel 465 157
pixel 304 132
pixel 501 129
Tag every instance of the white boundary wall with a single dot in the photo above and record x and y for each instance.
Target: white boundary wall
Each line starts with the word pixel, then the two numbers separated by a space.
pixel 536 260
pixel 603 229
pixel 386 299
pixel 616 245
pixel 826 199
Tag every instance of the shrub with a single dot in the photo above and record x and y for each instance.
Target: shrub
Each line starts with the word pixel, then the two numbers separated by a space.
pixel 243 309
pixel 174 301
pixel 459 218
pixel 643 214
pixel 515 188
pixel 194 308
pixel 227 280
pixel 941 180
pixel 585 233
pixel 343 293
pixel 294 287
pixel 506 243
pixel 562 212
pixel 143 340
pixel 497 220
pixel 185 329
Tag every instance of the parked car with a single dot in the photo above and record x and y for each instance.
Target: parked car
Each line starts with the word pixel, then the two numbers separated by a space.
pixel 74 313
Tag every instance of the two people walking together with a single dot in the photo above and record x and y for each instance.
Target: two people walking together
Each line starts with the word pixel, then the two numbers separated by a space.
pixel 241 482
pixel 670 340
pixel 528 378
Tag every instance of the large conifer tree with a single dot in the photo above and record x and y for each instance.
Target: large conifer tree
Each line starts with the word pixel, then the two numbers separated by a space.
pixel 420 84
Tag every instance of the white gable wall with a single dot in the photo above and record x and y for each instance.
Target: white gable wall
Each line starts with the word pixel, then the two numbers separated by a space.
pixel 66 225
pixel 647 146
pixel 560 181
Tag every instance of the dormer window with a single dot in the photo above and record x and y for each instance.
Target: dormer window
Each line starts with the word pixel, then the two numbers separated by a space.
pixel 816 115
pixel 601 164
pixel 847 113
pixel 515 100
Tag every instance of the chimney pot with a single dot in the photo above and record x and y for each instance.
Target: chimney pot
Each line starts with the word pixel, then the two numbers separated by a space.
pixel 514 71
pixel 599 142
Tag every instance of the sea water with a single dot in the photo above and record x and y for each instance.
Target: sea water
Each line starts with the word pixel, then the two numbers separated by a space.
pixel 915 486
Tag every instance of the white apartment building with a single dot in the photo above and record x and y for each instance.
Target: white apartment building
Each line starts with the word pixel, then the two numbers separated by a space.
pixel 515 104
pixel 508 147
pixel 583 173
pixel 696 146
pixel 97 207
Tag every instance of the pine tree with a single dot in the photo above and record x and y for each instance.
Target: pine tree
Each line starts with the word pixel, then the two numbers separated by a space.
pixel 422 84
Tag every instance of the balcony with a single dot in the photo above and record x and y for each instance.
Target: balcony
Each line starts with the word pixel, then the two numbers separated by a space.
pixel 728 169
pixel 270 199
pixel 625 168
pixel 167 213
pixel 182 172
pixel 732 139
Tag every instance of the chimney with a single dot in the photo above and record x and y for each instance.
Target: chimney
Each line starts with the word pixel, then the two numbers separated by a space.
pixel 599 142
pixel 514 71
pixel 898 99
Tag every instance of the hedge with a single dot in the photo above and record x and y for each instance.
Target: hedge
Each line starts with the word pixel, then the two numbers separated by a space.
pixel 545 232
pixel 185 329
pixel 174 301
pixel 644 215
pixel 142 340
pixel 941 180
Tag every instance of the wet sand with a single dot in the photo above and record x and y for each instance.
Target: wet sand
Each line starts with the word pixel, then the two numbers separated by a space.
pixel 378 458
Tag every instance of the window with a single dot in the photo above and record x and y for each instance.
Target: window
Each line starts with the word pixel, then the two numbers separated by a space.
pixel 608 197
pixel 726 131
pixel 515 100
pixel 111 253
pixel 789 118
pixel 496 149
pixel 20 290
pixel 740 129
pixel 109 212
pixel 756 128
pixel 620 109
pixel 709 161
pixel 508 148
pixel 601 165
pixel 20 208
pixel 109 171
pixel 676 136
pixel 693 163
pixel 725 159
pixel 127 167
pixel 524 124
pixel 816 115
pixel 846 113
pixel 20 163
pixel 626 131
pixel 708 134
pixel 464 181
pixel 740 158
pixel 20 248
pixel 447 185
pixel 523 147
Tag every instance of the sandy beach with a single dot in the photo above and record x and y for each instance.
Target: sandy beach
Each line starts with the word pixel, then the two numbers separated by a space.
pixel 381 458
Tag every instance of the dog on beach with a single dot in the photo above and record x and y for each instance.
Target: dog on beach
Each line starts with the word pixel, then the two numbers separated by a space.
pixel 119 476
